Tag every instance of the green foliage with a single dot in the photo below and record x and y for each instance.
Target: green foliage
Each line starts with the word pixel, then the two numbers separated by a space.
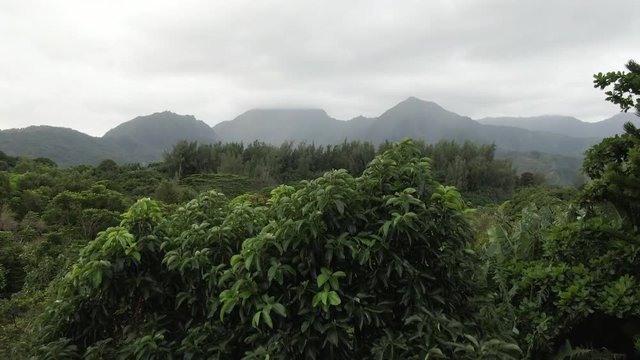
pixel 626 86
pixel 569 271
pixel 12 264
pixel 7 162
pixel 5 186
pixel 387 265
pixel 614 167
pixel 471 168
pixel 171 192
pixel 586 271
pixel 369 267
pixel 550 169
pixel 46 216
pixel 229 184
pixel 539 197
pixel 136 181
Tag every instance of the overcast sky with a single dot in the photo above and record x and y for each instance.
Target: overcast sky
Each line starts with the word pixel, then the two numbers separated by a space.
pixel 91 65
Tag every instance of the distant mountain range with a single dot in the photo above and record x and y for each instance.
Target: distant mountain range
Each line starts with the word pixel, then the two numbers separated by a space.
pixel 417 119
pixel 565 125
pixel 145 138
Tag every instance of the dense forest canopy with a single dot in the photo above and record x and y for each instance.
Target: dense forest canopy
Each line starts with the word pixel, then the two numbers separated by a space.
pixel 403 250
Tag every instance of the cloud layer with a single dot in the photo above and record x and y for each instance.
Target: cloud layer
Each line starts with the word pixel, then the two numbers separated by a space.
pixel 90 65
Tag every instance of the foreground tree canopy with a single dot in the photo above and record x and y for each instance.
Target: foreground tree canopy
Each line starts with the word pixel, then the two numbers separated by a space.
pixel 374 266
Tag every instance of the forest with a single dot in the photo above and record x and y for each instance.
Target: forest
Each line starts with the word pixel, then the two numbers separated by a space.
pixel 405 250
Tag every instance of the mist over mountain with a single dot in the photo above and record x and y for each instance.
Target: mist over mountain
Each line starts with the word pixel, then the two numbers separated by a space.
pixel 412 117
pixel 276 126
pixel 145 138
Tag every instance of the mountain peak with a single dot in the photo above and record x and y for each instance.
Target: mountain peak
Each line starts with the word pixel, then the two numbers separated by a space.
pixel 413 99
pixel 417 103
pixel 164 116
pixel 275 115
pixel 287 112
pixel 415 107
pixel 148 136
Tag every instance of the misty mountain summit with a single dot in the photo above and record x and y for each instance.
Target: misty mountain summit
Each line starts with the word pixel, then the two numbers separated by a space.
pixel 162 129
pixel 275 126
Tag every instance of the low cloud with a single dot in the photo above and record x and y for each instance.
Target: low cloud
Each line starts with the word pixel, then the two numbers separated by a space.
pixel 91 65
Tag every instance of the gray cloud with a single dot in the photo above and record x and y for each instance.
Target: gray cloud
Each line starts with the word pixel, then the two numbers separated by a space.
pixel 93 64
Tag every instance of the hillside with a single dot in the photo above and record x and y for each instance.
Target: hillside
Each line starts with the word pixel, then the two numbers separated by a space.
pixel 412 117
pixel 143 139
pixel 566 125
pixel 276 126
pixel 64 146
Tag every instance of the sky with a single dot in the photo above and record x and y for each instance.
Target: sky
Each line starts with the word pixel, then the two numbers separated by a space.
pixel 91 65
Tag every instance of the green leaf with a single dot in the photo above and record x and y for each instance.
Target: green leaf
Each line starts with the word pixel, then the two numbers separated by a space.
pixel 272 272
pixel 97 278
pixel 385 228
pixel 279 309
pixel 136 255
pixel 339 274
pixel 333 298
pixel 316 299
pixel 248 260
pixel 304 326
pixel 267 318
pixel 323 297
pixel 333 282
pixel 322 279
pixel 256 319
pixel 332 337
pixel 339 206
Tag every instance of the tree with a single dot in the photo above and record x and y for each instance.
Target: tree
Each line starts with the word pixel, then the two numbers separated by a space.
pixel 107 169
pixel 614 164
pixel 5 186
pixel 571 271
pixel 7 219
pixel 614 168
pixel 626 86
pixel 375 266
pixel 171 192
pixel 12 263
pixel 183 158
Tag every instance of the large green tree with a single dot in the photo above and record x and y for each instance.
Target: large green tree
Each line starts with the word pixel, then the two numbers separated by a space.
pixel 614 164
pixel 376 266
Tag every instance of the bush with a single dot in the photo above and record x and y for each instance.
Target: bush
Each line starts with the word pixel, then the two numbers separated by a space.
pixel 369 267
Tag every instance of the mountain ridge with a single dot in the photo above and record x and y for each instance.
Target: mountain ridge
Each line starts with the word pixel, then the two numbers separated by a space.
pixel 565 125
pixel 145 138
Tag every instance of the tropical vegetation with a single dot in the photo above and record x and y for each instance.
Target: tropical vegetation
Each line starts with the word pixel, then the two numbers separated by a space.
pixel 253 251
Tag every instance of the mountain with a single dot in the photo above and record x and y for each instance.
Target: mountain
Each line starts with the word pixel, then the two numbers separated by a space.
pixel 143 139
pixel 419 119
pixel 276 126
pixel 62 145
pixel 146 137
pixel 566 125
pixel 412 117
